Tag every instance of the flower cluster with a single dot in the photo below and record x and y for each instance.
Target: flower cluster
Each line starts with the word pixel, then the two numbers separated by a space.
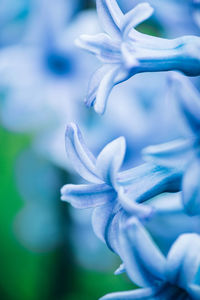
pixel 129 204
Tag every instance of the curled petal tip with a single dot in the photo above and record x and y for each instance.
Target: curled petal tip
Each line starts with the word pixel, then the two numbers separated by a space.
pixel 120 270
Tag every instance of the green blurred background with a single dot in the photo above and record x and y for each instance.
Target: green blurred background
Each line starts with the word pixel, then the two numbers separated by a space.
pixel 26 274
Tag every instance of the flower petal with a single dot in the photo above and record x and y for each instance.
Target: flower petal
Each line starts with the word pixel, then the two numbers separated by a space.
pixel 183 260
pixel 86 196
pixel 101 45
pixel 148 180
pixel 134 17
pixel 142 294
pixel 105 221
pixel 111 17
pixel 100 219
pixel 110 160
pixel 143 261
pixel 105 88
pixel 82 159
pixel 172 154
pixel 94 84
pixel 191 188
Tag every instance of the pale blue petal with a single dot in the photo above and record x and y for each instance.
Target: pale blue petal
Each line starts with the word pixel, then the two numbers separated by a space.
pixel 95 82
pixel 110 160
pixel 120 270
pixel 105 88
pixel 142 294
pixel 100 219
pixel 143 261
pixel 79 155
pixel 101 45
pixel 150 182
pixel 134 17
pixel 183 260
pixel 191 188
pixel 86 196
pixel 110 17
pixel 175 154
pixel 105 221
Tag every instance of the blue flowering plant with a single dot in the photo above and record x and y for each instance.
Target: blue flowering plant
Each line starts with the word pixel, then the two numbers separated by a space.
pixel 130 205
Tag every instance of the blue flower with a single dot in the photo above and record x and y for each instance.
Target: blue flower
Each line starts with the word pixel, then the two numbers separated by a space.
pixel 184 153
pixel 173 277
pixel 126 52
pixel 112 193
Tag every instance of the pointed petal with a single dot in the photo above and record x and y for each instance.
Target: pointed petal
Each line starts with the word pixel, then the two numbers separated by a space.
pixel 143 261
pixel 120 270
pixel 94 43
pixel 111 17
pixel 94 84
pixel 104 89
pixel 79 155
pixel 134 17
pixel 110 160
pixel 139 294
pixel 87 195
pixel 191 188
pixel 188 98
pixel 105 221
pixel 172 154
pixel 183 260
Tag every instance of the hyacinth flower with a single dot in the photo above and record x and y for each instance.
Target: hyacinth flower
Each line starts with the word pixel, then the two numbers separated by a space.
pixel 113 193
pixel 125 52
pixel 185 151
pixel 175 276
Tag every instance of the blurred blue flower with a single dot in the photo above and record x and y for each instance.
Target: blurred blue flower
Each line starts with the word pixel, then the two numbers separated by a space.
pixel 13 20
pixel 39 76
pixel 126 52
pixel 173 277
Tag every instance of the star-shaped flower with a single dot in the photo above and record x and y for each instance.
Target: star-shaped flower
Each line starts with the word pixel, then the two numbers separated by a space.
pixel 173 277
pixel 125 52
pixel 111 192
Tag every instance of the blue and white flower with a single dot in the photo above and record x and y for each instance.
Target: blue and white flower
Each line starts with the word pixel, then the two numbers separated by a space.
pixel 184 152
pixel 125 52
pixel 173 277
pixel 113 192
